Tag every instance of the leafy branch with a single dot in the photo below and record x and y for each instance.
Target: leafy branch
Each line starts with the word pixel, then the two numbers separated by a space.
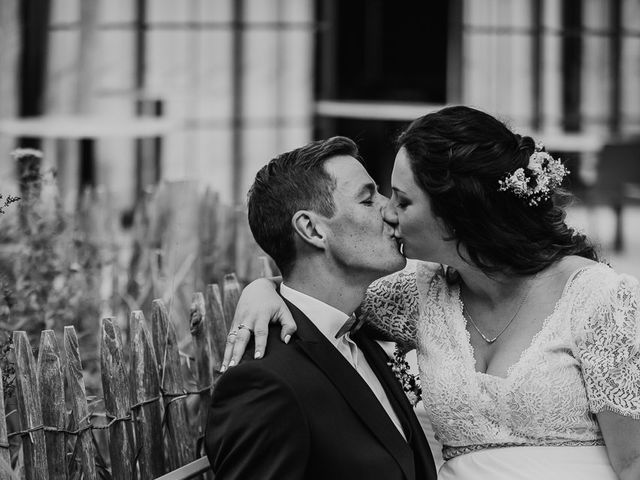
pixel 7 201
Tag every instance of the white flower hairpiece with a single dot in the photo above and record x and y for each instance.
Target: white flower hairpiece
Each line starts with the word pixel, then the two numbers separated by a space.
pixel 25 152
pixel 538 180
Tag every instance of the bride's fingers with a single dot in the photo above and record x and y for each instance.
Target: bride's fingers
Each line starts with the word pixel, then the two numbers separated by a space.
pixel 261 334
pixel 261 331
pixel 240 344
pixel 282 316
pixel 258 326
pixel 288 325
pixel 239 335
pixel 228 348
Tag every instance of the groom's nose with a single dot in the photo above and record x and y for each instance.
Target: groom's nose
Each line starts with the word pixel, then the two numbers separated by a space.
pixel 381 202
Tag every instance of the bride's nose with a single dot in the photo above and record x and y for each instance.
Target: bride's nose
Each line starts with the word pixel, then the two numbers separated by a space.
pixel 389 214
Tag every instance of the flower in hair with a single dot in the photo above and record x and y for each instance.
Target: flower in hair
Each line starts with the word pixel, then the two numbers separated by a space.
pixel 25 152
pixel 535 183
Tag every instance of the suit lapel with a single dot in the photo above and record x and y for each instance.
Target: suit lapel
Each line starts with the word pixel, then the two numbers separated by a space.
pixel 353 388
pixel 378 359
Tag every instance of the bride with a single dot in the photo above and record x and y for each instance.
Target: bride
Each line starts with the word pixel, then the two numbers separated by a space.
pixel 528 347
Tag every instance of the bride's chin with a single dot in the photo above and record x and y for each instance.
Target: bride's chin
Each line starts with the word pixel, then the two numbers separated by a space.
pixel 409 253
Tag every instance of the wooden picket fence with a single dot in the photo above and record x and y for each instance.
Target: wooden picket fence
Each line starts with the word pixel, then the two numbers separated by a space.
pixel 150 430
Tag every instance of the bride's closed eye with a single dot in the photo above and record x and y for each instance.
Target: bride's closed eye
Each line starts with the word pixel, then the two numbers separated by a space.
pixel 400 202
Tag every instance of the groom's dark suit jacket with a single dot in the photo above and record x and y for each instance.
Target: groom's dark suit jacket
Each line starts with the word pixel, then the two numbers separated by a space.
pixel 303 412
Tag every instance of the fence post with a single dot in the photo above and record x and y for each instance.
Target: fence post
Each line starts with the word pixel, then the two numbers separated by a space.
pixel 79 408
pixel 146 398
pixel 180 446
pixel 5 454
pixel 29 409
pixel 53 403
pixel 116 401
pixel 231 289
pixel 202 353
pixel 217 325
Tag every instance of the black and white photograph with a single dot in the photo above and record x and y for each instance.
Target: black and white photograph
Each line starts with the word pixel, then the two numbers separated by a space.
pixel 320 239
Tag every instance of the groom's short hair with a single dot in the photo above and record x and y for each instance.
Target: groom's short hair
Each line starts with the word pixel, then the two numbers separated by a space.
pixel 293 181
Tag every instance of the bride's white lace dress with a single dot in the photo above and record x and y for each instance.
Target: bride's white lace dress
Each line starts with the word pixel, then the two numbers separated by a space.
pixel 539 421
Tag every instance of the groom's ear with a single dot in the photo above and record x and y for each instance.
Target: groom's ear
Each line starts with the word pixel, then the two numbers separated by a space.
pixel 307 226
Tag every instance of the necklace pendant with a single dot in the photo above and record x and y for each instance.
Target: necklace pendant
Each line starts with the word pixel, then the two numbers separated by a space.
pixel 484 337
pixel 488 340
pixel 467 315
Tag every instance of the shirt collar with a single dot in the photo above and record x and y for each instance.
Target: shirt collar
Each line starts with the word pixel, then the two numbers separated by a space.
pixel 325 317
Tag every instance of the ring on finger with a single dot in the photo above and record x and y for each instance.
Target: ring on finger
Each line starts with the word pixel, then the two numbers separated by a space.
pixel 242 325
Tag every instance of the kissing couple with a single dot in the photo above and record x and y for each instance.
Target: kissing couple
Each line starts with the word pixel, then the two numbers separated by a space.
pixel 528 346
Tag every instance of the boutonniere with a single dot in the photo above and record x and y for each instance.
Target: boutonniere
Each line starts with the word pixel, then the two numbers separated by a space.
pixel 410 383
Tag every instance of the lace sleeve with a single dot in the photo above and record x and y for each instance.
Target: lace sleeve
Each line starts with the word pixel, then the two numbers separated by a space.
pixel 391 307
pixel 608 347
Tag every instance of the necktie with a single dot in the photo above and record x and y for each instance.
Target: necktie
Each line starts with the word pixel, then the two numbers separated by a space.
pixel 352 325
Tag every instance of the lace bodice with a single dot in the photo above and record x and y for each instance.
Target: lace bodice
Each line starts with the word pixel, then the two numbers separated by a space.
pixel 585 359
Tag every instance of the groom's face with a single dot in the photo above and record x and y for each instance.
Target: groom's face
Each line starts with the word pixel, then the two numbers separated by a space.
pixel 358 240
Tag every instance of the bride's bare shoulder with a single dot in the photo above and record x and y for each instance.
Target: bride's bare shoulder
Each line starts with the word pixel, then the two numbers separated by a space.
pixel 565 268
pixel 571 263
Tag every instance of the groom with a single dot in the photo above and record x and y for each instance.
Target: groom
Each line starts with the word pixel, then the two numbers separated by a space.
pixel 326 405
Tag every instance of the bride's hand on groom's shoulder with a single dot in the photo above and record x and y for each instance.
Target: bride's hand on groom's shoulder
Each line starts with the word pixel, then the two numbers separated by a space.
pixel 259 304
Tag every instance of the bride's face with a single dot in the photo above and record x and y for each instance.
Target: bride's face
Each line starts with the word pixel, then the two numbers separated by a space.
pixel 419 231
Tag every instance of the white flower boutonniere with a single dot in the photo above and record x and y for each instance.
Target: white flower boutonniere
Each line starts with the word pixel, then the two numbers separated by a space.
pixel 410 383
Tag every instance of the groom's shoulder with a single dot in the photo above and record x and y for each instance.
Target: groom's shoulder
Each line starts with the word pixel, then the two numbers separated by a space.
pixel 277 353
pixel 281 368
pixel 275 350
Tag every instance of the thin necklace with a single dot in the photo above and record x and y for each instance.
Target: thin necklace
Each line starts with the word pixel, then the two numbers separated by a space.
pixel 466 313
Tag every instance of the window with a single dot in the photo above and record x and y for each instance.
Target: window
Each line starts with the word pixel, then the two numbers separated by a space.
pixel 383 55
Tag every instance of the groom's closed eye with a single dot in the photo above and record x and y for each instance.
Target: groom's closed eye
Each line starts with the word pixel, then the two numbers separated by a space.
pixel 367 194
pixel 370 200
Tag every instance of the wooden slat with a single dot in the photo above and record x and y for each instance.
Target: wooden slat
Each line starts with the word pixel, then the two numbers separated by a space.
pixel 217 325
pixel 79 407
pixel 116 401
pixel 231 290
pixel 29 409
pixel 146 392
pixel 202 352
pixel 190 470
pixel 207 230
pixel 53 403
pixel 5 454
pixel 179 445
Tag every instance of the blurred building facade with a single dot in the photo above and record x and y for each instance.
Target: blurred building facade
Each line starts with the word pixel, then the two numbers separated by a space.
pixel 242 80
pixel 565 71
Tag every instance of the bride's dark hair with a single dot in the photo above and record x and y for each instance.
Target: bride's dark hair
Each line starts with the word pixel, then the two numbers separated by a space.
pixel 458 155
